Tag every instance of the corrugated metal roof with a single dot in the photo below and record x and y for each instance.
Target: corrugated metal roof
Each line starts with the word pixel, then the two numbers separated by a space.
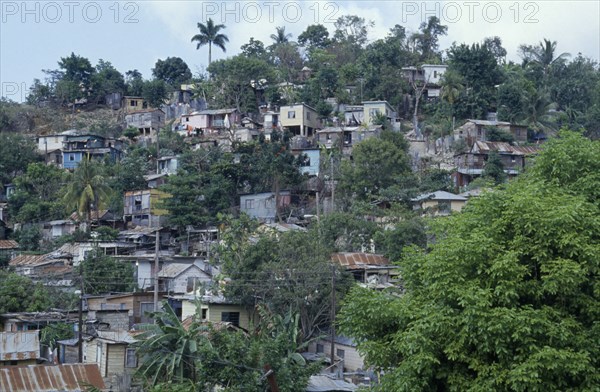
pixel 439 195
pixel 18 346
pixel 173 270
pixel 8 244
pixel 502 147
pixel 324 383
pixel 28 260
pixel 50 378
pixel 94 215
pixel 353 260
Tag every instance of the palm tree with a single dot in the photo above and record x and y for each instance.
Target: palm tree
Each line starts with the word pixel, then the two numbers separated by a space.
pixel 170 350
pixel 87 190
pixel 280 37
pixel 539 111
pixel 209 34
pixel 545 54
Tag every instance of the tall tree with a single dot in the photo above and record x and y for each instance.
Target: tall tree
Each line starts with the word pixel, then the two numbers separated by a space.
pixel 209 35
pixel 507 297
pixel 173 71
pixel 280 36
pixel 87 191
pixel 544 54
pixel 426 41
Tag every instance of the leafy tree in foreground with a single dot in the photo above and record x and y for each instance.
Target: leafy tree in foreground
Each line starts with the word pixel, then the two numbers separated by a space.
pixel 508 299
pixel 198 357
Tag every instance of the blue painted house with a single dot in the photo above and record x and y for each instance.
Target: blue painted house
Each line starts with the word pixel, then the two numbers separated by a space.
pixel 76 147
pixel 310 159
pixel 262 205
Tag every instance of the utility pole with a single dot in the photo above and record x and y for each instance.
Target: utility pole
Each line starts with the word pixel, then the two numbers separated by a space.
pixel 332 315
pixel 80 322
pixel 156 250
pixel 332 182
pixel 157 151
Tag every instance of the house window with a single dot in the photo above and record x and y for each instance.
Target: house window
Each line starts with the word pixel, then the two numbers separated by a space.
pixel 249 204
pixel 146 307
pixel 305 162
pixel 340 353
pixel 71 157
pixel 291 114
pixel 513 159
pixel 98 353
pixel 320 348
pixel 132 103
pixel 204 314
pixel 374 113
pixel 269 203
pixel 187 119
pixel 435 74
pixel 130 358
pixel 193 282
pixel 308 115
pixel 231 317
pixel 444 206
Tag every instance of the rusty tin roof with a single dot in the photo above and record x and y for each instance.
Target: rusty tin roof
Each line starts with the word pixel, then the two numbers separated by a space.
pixel 54 378
pixel 356 260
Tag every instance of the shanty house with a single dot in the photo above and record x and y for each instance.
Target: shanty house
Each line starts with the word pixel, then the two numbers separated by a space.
pixel 182 278
pixel 439 203
pixel 19 348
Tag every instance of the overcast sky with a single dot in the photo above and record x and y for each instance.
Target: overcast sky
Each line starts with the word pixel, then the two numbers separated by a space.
pixel 135 34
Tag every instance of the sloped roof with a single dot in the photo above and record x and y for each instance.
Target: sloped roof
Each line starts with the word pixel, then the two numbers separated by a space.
pixel 488 123
pixel 121 336
pixel 175 269
pixel 54 378
pixel 31 260
pixel 357 260
pixel 95 215
pixel 325 383
pixel 215 111
pixel 503 148
pixel 439 195
pixel 8 244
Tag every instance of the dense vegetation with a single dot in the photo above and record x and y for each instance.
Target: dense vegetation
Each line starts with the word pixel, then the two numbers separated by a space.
pixel 501 297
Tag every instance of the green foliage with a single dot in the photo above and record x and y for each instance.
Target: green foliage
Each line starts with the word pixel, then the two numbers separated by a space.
pixel 106 233
pixel 103 274
pixel 52 333
pixel 87 191
pixel 200 357
pixel 285 271
pixel 506 299
pixel 155 92
pixel 105 80
pixel 480 72
pixel 29 237
pixel 131 132
pixel 38 194
pixel 173 71
pixel 16 153
pixel 19 294
pixel 494 169
pixel 494 134
pixel 209 34
pixel 78 71
pixel 232 77
pixel 377 164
